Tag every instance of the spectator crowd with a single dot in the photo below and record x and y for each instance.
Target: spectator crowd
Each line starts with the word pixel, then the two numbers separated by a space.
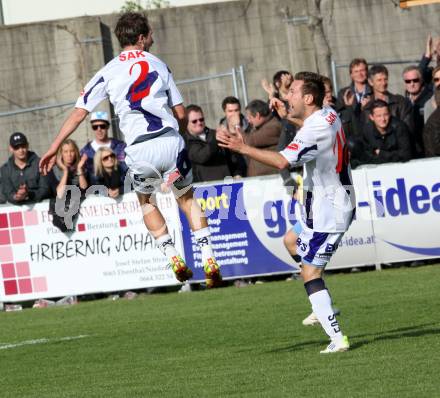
pixel 100 162
pixel 380 127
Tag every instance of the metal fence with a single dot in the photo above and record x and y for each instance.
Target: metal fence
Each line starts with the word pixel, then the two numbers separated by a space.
pixel 239 93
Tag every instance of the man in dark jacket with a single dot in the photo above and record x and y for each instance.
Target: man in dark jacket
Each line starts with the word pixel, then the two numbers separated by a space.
pixel 20 176
pixel 385 138
pixel 399 106
pixel 352 98
pixel 418 94
pixel 431 132
pixel 209 161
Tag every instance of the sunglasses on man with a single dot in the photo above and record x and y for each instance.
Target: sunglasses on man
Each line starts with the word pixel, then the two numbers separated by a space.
pixel 99 126
pixel 408 81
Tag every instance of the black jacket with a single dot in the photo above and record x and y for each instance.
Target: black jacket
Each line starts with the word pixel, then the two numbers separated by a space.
pixel 419 117
pixel 400 107
pixel 431 134
pixel 111 181
pixel 12 177
pixel 2 195
pixel 351 115
pixel 394 145
pixel 211 162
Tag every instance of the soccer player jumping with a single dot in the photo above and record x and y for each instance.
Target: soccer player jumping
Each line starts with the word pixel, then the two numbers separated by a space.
pixel 147 102
pixel 328 192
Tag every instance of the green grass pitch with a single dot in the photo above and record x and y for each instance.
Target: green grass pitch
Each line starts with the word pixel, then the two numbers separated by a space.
pixel 245 342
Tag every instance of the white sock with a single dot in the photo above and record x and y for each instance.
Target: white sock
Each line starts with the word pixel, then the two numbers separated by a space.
pixel 166 246
pixel 203 239
pixel 322 307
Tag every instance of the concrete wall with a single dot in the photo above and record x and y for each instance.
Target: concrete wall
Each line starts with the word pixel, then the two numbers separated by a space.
pixel 45 63
pixel 49 62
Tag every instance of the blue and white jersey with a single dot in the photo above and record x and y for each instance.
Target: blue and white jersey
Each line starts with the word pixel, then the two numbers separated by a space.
pixel 142 90
pixel 320 146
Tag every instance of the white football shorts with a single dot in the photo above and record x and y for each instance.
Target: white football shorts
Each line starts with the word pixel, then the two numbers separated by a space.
pixel 159 160
pixel 314 248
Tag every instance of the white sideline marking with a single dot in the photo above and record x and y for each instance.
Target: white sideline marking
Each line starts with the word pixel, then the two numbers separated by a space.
pixel 40 341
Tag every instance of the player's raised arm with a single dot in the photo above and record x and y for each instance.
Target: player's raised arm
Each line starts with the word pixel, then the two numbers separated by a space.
pixel 47 161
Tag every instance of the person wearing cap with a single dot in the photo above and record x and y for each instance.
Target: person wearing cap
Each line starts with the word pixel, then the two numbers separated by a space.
pixel 100 125
pixel 22 182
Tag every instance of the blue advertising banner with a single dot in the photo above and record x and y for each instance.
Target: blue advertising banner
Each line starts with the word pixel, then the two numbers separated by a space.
pixel 238 246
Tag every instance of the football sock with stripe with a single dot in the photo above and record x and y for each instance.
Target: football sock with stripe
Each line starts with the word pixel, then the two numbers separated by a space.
pixel 203 239
pixel 322 307
pixel 166 246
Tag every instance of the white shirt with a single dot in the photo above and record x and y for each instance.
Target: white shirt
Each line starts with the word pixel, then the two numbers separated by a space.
pixel 320 146
pixel 96 146
pixel 142 90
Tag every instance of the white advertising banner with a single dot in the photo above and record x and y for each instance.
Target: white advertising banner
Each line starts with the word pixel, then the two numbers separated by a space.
pixel 405 206
pixel 397 219
pixel 110 250
pixel 269 211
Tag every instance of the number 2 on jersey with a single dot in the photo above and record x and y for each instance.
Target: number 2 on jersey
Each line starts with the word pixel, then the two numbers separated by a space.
pixel 141 89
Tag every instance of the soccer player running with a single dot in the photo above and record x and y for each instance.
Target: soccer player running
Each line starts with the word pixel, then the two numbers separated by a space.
pixel 147 102
pixel 329 199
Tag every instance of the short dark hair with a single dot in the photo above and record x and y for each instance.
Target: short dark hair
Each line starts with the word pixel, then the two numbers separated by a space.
pixel 129 26
pixel 376 69
pixel 357 61
pixel 277 76
pixel 230 100
pixel 313 85
pixel 378 104
pixel 258 106
pixel 193 108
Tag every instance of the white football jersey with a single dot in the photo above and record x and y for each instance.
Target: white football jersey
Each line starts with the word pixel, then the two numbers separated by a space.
pixel 320 146
pixel 141 89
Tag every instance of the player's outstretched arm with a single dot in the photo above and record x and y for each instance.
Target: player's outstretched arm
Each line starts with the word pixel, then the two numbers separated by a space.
pixel 235 143
pixel 47 161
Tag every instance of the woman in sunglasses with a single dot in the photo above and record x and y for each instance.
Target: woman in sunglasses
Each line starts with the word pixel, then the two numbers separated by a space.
pixel 108 171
